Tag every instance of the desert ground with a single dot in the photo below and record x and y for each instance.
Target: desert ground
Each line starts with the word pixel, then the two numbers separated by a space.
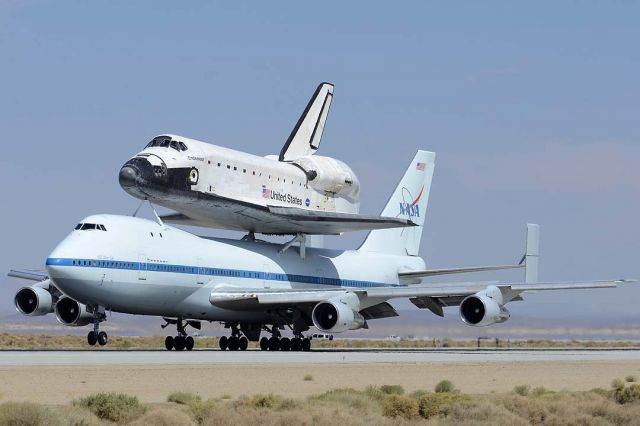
pixel 57 384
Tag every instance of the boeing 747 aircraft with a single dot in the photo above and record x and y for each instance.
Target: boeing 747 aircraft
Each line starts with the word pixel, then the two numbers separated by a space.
pixel 141 267
pixel 296 193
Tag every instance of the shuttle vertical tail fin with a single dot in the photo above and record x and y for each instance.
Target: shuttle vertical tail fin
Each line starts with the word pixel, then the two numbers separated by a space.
pixel 409 200
pixel 306 135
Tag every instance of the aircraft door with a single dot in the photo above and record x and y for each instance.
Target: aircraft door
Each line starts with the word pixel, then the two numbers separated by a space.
pixel 142 267
pixel 265 276
pixel 200 272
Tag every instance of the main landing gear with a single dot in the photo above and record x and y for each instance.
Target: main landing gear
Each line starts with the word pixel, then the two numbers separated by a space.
pixel 97 336
pixel 182 341
pixel 278 343
pixel 235 342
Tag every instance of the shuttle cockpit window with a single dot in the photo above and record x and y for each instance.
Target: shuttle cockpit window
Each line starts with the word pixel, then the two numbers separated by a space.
pixel 161 141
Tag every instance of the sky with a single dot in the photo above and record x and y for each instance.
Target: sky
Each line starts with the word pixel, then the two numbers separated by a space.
pixel 532 110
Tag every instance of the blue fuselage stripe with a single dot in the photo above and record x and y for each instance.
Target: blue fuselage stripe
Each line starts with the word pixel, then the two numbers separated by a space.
pixel 214 272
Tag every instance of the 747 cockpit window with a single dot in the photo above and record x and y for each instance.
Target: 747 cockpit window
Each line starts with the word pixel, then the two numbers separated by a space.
pixel 90 226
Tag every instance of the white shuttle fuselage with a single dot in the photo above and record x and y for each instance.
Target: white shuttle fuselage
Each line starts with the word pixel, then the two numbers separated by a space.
pixel 172 169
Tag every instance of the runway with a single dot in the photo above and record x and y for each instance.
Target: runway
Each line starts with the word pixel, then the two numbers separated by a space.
pixel 360 356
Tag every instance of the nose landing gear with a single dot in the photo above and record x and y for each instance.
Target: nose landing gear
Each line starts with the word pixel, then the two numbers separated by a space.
pixel 95 335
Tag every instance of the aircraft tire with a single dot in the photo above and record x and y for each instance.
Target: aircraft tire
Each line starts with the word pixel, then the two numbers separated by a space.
pixel 296 344
pixel 285 344
pixel 178 343
pixel 224 343
pixel 168 342
pixel 264 344
pixel 103 339
pixel 306 345
pixel 274 344
pixel 92 338
pixel 244 343
pixel 234 343
pixel 189 343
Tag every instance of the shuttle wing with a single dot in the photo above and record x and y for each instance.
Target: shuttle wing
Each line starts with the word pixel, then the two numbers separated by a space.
pixel 224 213
pixel 306 135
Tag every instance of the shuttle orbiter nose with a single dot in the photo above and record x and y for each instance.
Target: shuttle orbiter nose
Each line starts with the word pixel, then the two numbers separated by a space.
pixel 128 176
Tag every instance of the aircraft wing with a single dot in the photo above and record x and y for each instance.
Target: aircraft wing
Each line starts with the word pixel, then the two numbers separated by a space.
pixel 443 294
pixel 214 211
pixel 27 274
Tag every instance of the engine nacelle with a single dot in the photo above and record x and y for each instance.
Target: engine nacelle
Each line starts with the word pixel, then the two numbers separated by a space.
pixel 33 301
pixel 484 308
pixel 330 175
pixel 335 316
pixel 72 313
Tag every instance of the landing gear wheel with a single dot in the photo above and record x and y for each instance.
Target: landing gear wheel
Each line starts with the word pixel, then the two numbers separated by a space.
pixel 285 344
pixel 169 343
pixel 234 343
pixel 103 339
pixel 306 345
pixel 264 344
pixel 274 344
pixel 178 343
pixel 296 344
pixel 92 338
pixel 224 343
pixel 188 343
pixel 243 343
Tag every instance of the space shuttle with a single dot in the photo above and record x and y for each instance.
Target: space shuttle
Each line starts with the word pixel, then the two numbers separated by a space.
pixel 295 192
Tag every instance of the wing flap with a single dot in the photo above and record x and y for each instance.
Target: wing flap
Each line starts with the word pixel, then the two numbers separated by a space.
pixel 26 274
pixel 408 275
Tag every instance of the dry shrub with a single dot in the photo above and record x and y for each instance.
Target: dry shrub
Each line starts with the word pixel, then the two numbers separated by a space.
pixel 438 404
pixel 164 417
pixel 392 389
pixel 308 378
pixel 115 407
pixel 399 406
pixel 445 386
pixel 522 390
pixel 625 395
pixel 202 410
pixel 183 398
pixel 349 397
pixel 77 416
pixel 631 379
pixel 27 414
pixel 480 413
pixel 270 401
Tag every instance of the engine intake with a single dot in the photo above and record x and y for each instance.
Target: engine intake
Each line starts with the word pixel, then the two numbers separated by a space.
pixel 334 316
pixel 484 308
pixel 33 301
pixel 72 313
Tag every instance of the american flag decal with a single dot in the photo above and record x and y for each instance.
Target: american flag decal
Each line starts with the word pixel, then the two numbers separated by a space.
pixel 266 193
pixel 420 166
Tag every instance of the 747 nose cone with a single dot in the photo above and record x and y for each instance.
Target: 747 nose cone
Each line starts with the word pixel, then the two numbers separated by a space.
pixel 128 176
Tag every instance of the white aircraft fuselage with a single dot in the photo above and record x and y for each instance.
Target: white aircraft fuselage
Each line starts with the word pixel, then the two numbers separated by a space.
pixel 139 267
pixel 195 178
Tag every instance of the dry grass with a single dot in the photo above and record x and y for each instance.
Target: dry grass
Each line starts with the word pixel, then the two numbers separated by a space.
pixel 383 405
pixel 32 341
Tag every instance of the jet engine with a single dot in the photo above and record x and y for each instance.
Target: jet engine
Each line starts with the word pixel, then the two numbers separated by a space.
pixel 335 316
pixel 72 313
pixel 33 301
pixel 484 308
pixel 330 175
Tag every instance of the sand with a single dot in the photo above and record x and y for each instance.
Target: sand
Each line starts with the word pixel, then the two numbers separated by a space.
pixel 152 383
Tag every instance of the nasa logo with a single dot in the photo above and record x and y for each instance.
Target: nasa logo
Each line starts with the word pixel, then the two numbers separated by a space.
pixel 408 209
pixel 307 202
